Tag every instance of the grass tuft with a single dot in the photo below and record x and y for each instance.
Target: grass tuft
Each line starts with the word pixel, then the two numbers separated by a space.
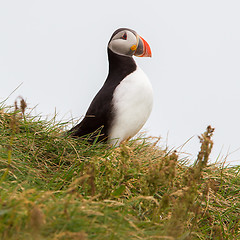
pixel 56 187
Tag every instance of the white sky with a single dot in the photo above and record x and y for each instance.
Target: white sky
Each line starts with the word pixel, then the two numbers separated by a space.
pixel 58 50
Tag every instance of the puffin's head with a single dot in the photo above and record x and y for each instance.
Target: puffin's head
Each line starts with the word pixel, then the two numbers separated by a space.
pixel 127 42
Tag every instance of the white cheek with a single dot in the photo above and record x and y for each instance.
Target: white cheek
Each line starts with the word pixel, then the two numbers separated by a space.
pixel 119 46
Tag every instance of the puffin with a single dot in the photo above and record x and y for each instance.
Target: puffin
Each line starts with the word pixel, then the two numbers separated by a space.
pixel 123 104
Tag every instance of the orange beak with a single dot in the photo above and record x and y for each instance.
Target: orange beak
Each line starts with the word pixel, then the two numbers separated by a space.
pixel 143 48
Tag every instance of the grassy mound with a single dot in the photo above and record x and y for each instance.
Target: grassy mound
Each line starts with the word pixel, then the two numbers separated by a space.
pixel 54 187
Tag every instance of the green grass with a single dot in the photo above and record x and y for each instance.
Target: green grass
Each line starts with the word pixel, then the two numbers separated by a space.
pixel 55 187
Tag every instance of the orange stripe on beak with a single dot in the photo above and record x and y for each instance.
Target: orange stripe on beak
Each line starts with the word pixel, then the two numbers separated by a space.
pixel 143 48
pixel 146 49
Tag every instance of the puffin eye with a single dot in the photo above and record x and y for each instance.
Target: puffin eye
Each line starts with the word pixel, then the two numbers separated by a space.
pixel 124 36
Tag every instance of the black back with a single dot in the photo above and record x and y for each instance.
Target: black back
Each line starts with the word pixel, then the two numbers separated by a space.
pixel 100 113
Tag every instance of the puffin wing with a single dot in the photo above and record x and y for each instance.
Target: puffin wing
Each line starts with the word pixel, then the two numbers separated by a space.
pixel 97 120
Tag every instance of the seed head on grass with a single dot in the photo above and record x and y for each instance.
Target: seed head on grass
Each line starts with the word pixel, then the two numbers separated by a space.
pixel 206 147
pixel 23 105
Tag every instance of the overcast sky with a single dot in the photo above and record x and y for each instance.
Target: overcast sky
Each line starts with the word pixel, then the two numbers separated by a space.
pixel 57 49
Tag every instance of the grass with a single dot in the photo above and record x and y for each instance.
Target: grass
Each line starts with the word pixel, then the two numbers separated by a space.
pixel 55 187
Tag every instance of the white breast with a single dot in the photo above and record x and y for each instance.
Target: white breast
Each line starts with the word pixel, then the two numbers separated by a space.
pixel 132 101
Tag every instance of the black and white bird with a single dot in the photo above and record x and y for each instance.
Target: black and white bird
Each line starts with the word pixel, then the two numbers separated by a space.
pixel 124 103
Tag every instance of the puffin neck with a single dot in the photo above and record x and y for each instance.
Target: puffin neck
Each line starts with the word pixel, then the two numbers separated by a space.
pixel 120 66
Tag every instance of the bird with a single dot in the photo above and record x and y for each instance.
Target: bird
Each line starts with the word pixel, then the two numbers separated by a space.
pixel 124 103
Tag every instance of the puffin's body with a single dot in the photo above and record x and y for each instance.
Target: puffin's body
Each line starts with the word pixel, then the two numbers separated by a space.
pixel 124 103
